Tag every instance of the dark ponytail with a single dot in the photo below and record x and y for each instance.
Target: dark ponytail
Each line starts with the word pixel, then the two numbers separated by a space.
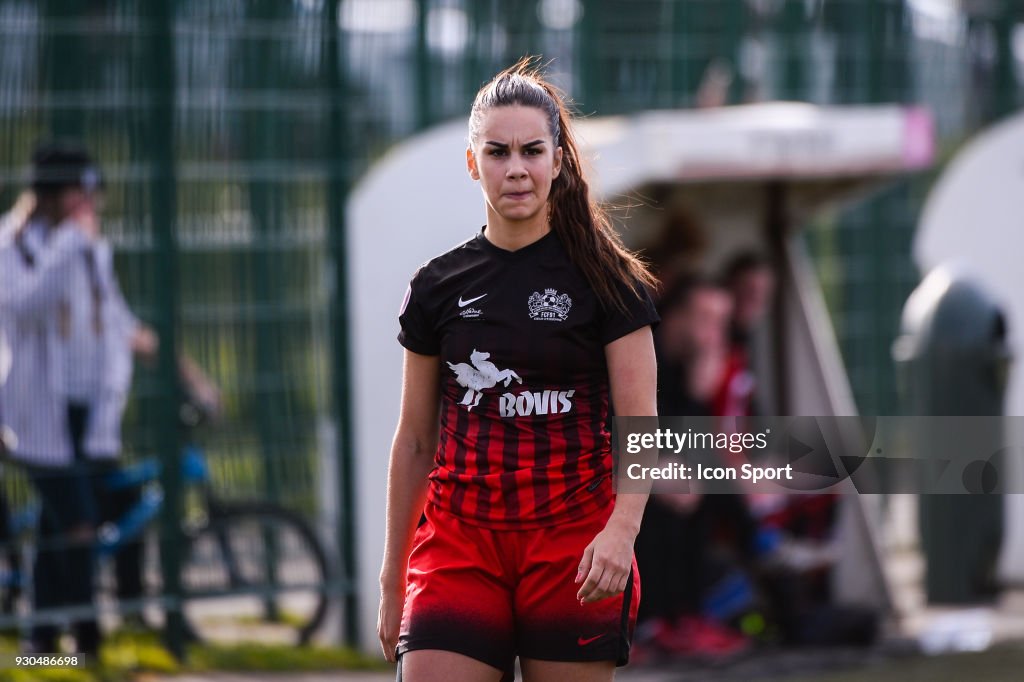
pixel 580 223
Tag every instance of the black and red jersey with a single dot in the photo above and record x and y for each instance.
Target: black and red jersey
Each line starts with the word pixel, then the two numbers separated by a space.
pixel 524 383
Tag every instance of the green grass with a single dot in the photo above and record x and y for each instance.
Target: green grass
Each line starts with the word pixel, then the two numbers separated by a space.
pixel 49 675
pixel 278 658
pixel 127 654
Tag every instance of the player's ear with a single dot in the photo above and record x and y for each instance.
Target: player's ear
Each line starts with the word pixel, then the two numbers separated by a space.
pixel 474 172
pixel 557 170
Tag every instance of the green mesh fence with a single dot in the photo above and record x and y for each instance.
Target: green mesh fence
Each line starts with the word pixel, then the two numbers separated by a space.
pixel 279 106
pixel 250 186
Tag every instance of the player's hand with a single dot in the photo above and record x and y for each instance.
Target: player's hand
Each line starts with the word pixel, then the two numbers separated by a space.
pixel 389 618
pixel 145 342
pixel 607 560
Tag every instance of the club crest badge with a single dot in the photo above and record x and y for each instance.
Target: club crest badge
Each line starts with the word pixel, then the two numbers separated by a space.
pixel 549 306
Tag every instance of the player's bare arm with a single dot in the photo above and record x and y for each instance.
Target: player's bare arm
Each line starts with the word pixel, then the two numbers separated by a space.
pixel 412 457
pixel 632 375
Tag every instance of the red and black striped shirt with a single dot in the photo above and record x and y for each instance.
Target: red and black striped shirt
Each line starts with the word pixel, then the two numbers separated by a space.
pixel 524 389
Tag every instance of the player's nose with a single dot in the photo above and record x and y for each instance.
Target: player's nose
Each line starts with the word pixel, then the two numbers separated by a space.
pixel 516 169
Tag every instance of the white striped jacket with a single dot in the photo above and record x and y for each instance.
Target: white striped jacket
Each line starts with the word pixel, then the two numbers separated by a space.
pixel 35 295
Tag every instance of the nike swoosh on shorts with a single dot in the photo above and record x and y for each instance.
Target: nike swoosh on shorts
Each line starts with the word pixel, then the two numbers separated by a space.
pixel 589 640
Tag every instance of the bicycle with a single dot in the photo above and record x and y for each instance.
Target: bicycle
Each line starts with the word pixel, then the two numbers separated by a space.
pixel 246 565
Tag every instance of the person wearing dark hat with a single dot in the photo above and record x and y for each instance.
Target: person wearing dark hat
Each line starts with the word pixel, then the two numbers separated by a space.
pixel 72 337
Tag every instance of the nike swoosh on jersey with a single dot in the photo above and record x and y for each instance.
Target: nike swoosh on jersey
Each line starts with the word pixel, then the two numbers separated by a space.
pixel 590 640
pixel 463 304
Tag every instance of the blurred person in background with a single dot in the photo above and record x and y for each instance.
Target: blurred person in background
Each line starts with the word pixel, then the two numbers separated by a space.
pixel 72 339
pixel 677 537
pixel 749 279
pixel 790 553
pixel 717 575
pixel 691 344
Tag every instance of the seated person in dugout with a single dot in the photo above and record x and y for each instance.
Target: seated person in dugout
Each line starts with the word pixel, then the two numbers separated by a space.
pixel 676 532
pixel 711 566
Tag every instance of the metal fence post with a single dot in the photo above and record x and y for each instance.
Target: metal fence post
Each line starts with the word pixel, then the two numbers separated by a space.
pixel 1007 89
pixel 793 37
pixel 591 60
pixel 422 66
pixel 163 200
pixel 339 164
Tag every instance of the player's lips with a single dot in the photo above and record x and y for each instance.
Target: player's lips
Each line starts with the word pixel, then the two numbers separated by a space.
pixel 517 196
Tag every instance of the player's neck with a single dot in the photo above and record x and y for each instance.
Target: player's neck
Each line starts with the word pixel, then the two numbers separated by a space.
pixel 512 235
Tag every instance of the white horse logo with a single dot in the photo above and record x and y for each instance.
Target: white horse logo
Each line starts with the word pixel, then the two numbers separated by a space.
pixel 482 374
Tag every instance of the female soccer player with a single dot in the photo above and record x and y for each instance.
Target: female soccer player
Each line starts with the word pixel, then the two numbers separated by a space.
pixel 514 340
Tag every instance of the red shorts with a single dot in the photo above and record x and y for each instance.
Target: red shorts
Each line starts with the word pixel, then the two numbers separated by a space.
pixel 493 595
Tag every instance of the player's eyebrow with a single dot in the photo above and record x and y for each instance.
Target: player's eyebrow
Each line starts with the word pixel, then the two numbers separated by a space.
pixel 502 145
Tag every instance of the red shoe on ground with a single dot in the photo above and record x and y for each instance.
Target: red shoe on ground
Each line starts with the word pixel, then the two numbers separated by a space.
pixel 702 637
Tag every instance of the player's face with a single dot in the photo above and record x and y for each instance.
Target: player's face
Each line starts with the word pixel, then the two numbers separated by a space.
pixel 699 325
pixel 709 316
pixel 753 294
pixel 515 160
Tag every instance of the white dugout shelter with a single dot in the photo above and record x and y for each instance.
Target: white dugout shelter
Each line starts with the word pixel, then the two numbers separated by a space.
pixel 745 176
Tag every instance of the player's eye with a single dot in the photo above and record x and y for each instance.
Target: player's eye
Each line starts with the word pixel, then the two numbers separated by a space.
pixel 495 151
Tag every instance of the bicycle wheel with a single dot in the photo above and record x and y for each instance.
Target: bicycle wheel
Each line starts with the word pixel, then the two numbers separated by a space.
pixel 254 572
